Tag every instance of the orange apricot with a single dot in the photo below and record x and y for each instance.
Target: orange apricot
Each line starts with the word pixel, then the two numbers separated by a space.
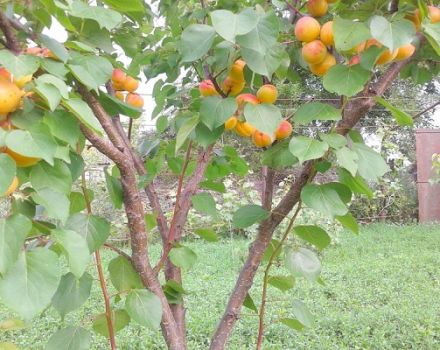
pixel 307 29
pixel 314 52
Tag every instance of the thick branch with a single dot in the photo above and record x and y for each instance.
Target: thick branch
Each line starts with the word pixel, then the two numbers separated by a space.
pixel 6 27
pixel 354 111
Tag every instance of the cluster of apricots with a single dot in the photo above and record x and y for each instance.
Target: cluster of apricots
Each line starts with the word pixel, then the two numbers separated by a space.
pixel 233 85
pixel 122 82
pixel 416 18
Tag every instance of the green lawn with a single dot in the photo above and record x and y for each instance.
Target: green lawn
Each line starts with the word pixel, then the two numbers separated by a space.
pixel 382 292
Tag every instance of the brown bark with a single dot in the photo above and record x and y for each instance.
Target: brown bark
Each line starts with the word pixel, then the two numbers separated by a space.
pixel 6 27
pixel 353 112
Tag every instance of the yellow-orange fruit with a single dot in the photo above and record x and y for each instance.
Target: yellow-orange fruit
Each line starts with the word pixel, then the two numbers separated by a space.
pixel 35 51
pixel 236 72
pixel 317 8
pixel 10 96
pixel 326 35
pixel 323 67
pixel 244 129
pixel 130 84
pixel 261 139
pixel 233 87
pixel 360 47
pixel 314 52
pixel 207 88
pixel 414 17
pixel 242 99
pixel 354 60
pixel 118 86
pixel 307 29
pixel 134 100
pixel 12 187
pixel 118 76
pixel 267 93
pixel 48 54
pixel 120 95
pixel 231 123
pixel 434 14
pixel 22 81
pixel 404 52
pixel 284 130
pixel 386 57
pixel 331 1
pixel 4 73
pixel 20 160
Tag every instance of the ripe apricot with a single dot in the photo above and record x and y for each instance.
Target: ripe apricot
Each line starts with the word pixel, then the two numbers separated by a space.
pixel 434 14
pixel 207 88
pixel 314 52
pixel 231 123
pixel 323 67
pixel 236 72
pixel 22 81
pixel 386 57
pixel 284 130
pixel 118 76
pixel 267 94
pixel 307 29
pixel 244 129
pixel 326 35
pixel 404 52
pixel 118 86
pixel 4 73
pixel 10 96
pixel 120 95
pixel 354 60
pixel 20 160
pixel 130 84
pixel 233 87
pixel 12 187
pixel 134 100
pixel 261 139
pixel 242 99
pixel 35 51
pixel 317 8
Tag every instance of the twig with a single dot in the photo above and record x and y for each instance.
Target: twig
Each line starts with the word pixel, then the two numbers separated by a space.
pixel 6 27
pixel 118 251
pixel 208 75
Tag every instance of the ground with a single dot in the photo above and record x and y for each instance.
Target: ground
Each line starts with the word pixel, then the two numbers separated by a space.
pixel 382 291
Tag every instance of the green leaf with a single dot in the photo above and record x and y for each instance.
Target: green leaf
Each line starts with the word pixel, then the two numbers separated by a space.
pixel 57 177
pixel 323 198
pixel 213 186
pixel 292 323
pixel 105 17
pixel 207 234
pixel 348 33
pixel 279 156
pixel 392 34
pixel 70 338
pixel 314 235
pixel 305 148
pixel 56 82
pixel 174 292
pixel 371 164
pixel 56 204
pixel 82 111
pixel 114 188
pixel 72 293
pixel 402 118
pixel 185 130
pixel 264 117
pixel 13 232
pixel 249 303
pixel 8 170
pixel 302 313
pixel 432 33
pixel 273 248
pixel 20 65
pixel 204 203
pixel 248 215
pixel 214 111
pixel 76 250
pixel 228 25
pixel 283 283
pixel 346 80
pixel 93 71
pixel 303 263
pixel 120 319
pixel 357 184
pixel 63 126
pixel 348 221
pixel 127 6
pixel 114 106
pixel 49 94
pixel 316 111
pixel 334 140
pixel 123 276
pixel 57 48
pixel 265 63
pixel 195 42
pixel 370 56
pixel 183 257
pixel 144 307
pixel 347 159
pixel 30 283
pixel 95 230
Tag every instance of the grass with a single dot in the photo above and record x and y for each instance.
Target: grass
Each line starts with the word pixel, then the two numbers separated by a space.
pixel 382 292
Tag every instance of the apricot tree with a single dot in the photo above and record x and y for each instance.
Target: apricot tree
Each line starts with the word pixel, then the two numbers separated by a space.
pixel 57 97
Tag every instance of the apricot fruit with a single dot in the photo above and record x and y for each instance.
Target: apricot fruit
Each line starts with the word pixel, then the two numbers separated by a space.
pixel 22 81
pixel 284 130
pixel 405 52
pixel 236 72
pixel 118 76
pixel 242 99
pixel 267 94
pixel 4 73
pixel 12 187
pixel 244 129
pixel 233 87
pixel 134 100
pixel 10 96
pixel 35 51
pixel 120 95
pixel 130 84
pixel 434 14
pixel 231 123
pixel 322 68
pixel 326 35
pixel 307 29
pixel 20 160
pixel 354 60
pixel 317 8
pixel 386 57
pixel 314 52
pixel 207 88
pixel 261 139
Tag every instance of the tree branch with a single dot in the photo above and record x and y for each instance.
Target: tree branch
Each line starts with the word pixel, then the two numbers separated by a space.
pixel 394 6
pixel 353 112
pixel 12 42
